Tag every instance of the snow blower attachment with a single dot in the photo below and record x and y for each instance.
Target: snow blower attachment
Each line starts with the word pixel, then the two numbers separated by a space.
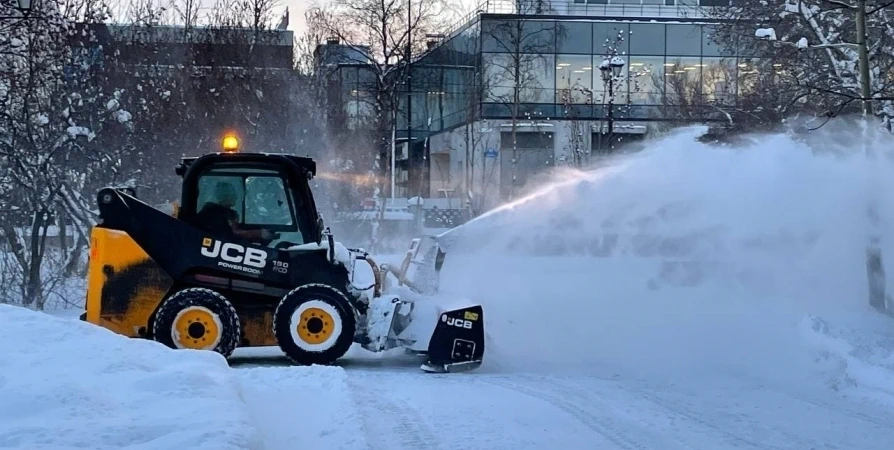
pixel 245 261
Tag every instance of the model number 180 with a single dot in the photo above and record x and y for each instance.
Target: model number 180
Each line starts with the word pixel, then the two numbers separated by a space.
pixel 281 267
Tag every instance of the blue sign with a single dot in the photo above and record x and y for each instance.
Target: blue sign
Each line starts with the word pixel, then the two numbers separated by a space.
pixel 490 153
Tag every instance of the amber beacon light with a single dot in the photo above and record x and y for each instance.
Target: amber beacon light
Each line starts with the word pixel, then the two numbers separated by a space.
pixel 230 143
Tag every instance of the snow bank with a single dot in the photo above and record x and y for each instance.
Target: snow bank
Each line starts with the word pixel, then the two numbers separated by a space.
pixel 685 259
pixel 68 384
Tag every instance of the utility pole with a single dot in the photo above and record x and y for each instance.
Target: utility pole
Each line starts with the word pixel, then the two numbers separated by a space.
pixel 409 80
pixel 863 52
pixel 875 268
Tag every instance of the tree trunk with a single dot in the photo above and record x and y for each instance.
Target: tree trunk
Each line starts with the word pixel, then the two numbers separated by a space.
pixel 32 281
pixel 63 230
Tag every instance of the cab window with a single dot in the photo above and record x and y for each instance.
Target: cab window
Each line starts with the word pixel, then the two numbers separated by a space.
pixel 266 201
pixel 251 198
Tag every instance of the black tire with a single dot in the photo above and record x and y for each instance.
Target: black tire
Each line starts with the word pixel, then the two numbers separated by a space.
pixel 314 324
pixel 209 320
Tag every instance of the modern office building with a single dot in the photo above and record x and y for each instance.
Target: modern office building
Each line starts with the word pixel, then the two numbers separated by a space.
pixel 518 88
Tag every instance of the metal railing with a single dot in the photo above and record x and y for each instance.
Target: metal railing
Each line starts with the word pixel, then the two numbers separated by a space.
pixel 571 8
pixel 685 9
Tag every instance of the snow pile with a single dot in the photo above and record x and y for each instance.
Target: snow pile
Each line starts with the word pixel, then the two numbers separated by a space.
pixel 68 384
pixel 685 259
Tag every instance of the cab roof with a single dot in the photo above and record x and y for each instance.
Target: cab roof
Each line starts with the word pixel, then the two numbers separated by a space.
pixel 303 162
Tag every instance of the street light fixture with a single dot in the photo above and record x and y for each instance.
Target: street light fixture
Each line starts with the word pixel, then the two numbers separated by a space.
pixel 24 6
pixel 611 69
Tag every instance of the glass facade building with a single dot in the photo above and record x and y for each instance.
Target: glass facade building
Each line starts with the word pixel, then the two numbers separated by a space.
pixel 542 69
pixel 674 70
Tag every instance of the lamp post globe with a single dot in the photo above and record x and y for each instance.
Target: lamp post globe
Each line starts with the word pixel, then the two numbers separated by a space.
pixel 617 64
pixel 24 5
pixel 605 70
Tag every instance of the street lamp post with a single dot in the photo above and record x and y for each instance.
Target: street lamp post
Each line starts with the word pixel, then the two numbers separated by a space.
pixel 611 69
pixel 22 5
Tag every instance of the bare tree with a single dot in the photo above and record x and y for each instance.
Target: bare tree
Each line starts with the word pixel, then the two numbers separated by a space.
pixel 832 53
pixel 383 35
pixel 572 94
pixel 58 131
pixel 186 13
pixel 524 53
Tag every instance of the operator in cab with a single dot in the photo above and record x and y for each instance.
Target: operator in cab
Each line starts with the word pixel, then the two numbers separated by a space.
pixel 220 217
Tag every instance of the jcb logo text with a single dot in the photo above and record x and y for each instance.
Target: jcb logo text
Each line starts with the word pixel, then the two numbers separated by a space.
pixel 234 253
pixel 459 323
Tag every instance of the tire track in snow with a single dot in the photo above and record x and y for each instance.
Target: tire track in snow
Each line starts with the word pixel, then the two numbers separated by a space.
pixel 737 440
pixel 842 406
pixel 605 427
pixel 388 424
pixel 687 414
pixel 584 389
pixel 303 406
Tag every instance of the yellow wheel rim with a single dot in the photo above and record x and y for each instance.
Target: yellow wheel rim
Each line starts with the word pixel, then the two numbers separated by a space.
pixel 315 326
pixel 196 328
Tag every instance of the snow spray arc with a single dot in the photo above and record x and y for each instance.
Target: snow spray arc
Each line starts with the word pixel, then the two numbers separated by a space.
pixel 235 256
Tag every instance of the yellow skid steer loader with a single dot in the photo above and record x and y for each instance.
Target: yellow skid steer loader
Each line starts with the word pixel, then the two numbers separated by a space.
pixel 245 261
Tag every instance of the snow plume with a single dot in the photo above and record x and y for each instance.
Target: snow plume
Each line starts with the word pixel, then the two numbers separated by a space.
pixel 685 259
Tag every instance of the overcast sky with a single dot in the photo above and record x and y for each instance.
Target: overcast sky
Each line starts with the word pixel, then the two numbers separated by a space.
pixel 296 9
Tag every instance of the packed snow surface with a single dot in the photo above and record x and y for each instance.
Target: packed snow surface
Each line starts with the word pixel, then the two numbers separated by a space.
pixel 68 384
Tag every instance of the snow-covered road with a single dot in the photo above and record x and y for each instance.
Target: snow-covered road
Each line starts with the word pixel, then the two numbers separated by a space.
pixel 368 403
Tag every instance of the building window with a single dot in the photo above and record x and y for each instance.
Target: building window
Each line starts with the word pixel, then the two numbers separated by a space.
pixel 748 76
pixel 684 40
pixel 609 37
pixel 574 37
pixel 719 80
pixel 682 81
pixel 714 3
pixel 537 78
pixel 646 80
pixel 647 39
pixel 498 79
pixel 518 36
pixel 712 45
pixel 458 86
pixel 536 81
pixel 574 79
